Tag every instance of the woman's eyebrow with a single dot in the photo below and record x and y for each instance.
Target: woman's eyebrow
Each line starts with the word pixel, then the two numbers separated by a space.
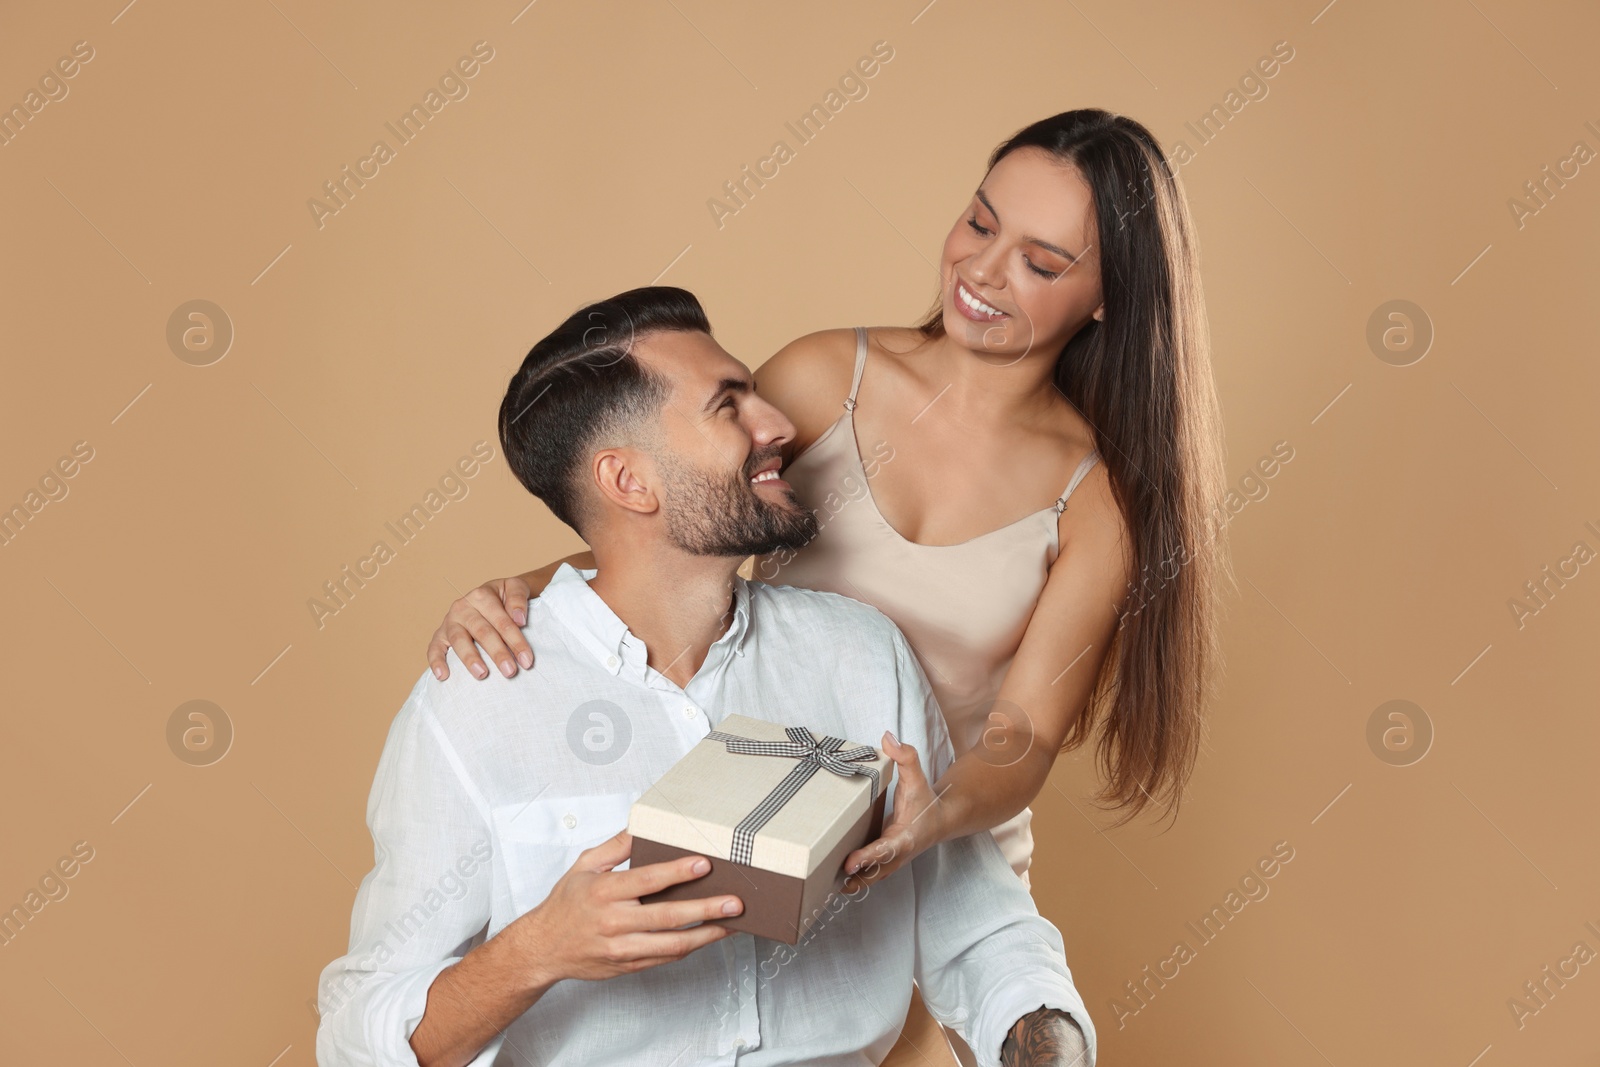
pixel 1057 249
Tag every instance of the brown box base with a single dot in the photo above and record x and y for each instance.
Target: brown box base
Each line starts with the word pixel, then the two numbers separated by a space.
pixel 777 906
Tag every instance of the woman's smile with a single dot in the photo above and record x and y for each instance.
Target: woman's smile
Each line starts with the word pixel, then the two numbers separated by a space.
pixel 969 304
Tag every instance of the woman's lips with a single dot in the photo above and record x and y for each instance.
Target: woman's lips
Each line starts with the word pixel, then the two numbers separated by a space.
pixel 966 309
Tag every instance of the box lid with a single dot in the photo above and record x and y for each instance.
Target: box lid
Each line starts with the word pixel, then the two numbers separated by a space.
pixel 708 792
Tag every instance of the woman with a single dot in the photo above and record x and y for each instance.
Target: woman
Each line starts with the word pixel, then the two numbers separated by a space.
pixel 1065 361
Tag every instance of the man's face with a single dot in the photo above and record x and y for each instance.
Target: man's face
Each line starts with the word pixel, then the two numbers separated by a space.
pixel 720 453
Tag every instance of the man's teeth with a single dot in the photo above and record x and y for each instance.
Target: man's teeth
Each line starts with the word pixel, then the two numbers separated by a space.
pixel 766 476
pixel 974 303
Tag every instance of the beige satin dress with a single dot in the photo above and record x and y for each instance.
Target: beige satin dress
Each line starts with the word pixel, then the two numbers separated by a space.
pixel 962 607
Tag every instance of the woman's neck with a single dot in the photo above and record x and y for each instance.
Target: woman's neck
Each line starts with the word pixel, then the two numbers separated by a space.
pixel 988 390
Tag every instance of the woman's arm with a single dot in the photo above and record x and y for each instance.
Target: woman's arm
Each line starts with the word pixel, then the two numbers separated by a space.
pixel 492 615
pixel 1047 686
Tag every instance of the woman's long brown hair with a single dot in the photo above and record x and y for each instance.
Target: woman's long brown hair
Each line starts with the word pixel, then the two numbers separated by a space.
pixel 1142 380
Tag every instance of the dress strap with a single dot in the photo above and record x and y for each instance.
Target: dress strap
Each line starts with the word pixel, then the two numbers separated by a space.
pixel 1084 467
pixel 861 362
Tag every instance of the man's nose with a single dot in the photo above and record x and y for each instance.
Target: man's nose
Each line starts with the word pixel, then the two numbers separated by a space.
pixel 769 426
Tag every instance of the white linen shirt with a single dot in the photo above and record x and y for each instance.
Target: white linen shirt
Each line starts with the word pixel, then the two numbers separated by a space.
pixel 486 792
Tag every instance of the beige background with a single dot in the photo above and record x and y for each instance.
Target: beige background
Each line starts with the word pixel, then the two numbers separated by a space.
pixel 370 354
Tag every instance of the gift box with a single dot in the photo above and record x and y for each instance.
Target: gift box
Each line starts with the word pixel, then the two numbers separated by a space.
pixel 775 808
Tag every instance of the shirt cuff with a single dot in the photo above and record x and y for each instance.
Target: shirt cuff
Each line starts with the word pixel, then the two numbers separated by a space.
pixel 1003 1007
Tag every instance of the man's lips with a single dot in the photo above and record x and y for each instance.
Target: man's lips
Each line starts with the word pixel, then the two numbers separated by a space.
pixel 767 474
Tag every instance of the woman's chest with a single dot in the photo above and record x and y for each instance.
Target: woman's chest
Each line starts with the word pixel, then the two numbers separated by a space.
pixel 938 484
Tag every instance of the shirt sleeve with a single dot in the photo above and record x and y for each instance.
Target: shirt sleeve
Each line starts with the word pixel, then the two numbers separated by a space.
pixel 985 957
pixel 423 905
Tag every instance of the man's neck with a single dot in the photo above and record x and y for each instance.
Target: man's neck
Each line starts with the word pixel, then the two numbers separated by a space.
pixel 677 604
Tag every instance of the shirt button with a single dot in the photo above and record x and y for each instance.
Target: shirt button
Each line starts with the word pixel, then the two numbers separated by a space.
pixel 740 1043
pixel 569 820
pixel 611 661
pixel 689 711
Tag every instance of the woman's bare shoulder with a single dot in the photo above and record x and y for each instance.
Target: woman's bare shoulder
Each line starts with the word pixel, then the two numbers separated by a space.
pixel 827 357
pixel 821 352
pixel 896 340
pixel 1093 520
pixel 808 379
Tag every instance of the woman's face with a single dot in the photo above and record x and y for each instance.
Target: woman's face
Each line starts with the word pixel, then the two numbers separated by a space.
pixel 1024 250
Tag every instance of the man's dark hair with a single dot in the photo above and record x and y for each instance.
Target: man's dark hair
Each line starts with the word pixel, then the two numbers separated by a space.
pixel 581 388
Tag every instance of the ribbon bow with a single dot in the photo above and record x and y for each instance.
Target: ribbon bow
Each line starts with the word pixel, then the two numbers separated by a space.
pixel 813 754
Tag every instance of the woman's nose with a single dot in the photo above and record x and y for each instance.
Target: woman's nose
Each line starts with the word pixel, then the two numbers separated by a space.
pixel 986 265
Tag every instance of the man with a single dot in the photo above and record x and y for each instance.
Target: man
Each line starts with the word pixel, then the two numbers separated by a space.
pixel 502 923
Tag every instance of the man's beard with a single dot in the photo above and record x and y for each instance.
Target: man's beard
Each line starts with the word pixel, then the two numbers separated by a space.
pixel 712 513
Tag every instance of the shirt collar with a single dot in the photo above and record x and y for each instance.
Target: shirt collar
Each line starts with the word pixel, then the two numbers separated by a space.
pixel 607 638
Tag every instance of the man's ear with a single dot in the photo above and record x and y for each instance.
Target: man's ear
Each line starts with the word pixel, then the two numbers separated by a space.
pixel 625 477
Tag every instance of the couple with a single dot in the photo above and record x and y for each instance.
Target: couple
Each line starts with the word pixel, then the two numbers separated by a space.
pixel 640 431
pixel 1069 329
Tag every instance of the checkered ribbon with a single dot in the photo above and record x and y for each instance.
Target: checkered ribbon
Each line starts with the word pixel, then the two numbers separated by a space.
pixel 813 754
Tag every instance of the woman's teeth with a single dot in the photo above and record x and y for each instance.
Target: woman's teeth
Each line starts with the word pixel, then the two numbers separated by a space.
pixel 974 303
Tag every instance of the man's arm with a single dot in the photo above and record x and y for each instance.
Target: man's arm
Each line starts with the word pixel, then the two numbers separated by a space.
pixel 591 927
pixel 425 901
pixel 986 958
pixel 1045 1038
pixel 473 1000
pixel 405 993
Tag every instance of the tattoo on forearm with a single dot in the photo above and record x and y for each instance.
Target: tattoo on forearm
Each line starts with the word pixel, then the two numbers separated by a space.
pixel 1045 1038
